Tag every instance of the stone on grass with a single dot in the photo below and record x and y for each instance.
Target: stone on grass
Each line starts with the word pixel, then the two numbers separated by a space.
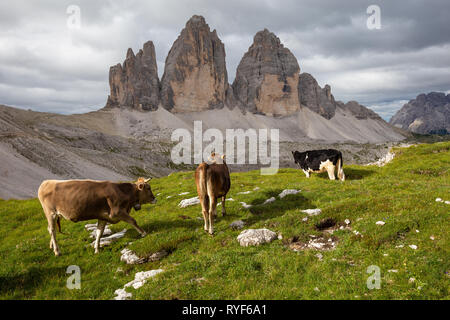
pixel 255 237
pixel 286 192
pixel 380 223
pixel 312 212
pixel 110 239
pixel 413 246
pixel 130 257
pixel 189 202
pixel 439 200
pixel 246 206
pixel 139 279
pixel 270 200
pixel 238 224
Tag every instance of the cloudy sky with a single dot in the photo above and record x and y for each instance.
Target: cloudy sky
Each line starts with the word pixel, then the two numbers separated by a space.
pixel 47 66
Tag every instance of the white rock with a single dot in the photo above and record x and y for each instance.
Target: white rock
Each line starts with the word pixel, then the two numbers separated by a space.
pixel 316 289
pixel 270 200
pixel 168 197
pixel 412 280
pixel 432 238
pixel 393 271
pixel 413 246
pixel 244 192
pixel 189 202
pixel 385 254
pixel 319 256
pixel 285 192
pixel 130 257
pixel 347 221
pixel 110 239
pixel 255 237
pixel 399 246
pixel 380 223
pixel 246 206
pixel 183 193
pixel 417 231
pixel 438 200
pixel 106 232
pixel 447 202
pixel 305 219
pixel 256 188
pixel 312 212
pixel 90 226
pixel 121 294
pixel 139 279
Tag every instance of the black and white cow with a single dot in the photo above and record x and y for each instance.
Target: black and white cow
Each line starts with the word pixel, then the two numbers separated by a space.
pixel 320 161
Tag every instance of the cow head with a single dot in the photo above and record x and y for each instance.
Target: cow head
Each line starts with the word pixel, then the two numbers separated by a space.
pixel 145 193
pixel 299 158
pixel 216 158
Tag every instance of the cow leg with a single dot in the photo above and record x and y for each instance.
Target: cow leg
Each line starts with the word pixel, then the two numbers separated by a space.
pixel 205 205
pixel 212 213
pixel 98 234
pixel 330 170
pixel 51 219
pixel 224 212
pixel 306 173
pixel 129 219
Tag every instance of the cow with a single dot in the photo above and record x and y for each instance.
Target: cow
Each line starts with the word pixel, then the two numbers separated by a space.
pixel 213 181
pixel 320 161
pixel 80 200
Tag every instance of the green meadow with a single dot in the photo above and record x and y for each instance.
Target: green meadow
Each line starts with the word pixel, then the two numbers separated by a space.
pixel 200 266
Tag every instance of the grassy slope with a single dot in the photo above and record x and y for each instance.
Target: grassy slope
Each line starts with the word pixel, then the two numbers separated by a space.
pixel 402 193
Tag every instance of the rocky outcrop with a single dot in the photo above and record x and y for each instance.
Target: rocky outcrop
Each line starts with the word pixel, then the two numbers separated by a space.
pixel 359 111
pixel 267 77
pixel 135 84
pixel 315 98
pixel 427 114
pixel 195 76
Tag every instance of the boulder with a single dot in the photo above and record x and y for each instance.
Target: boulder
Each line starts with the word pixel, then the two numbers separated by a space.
pixel 255 237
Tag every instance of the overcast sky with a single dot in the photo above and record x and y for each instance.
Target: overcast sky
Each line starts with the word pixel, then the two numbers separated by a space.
pixel 47 66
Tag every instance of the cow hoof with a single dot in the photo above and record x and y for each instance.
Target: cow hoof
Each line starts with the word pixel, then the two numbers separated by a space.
pixel 143 234
pixel 57 254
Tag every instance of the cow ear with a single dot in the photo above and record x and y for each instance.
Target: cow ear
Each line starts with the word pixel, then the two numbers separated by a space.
pixel 140 186
pixel 292 152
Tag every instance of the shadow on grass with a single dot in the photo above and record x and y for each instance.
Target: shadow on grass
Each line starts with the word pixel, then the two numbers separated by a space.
pixel 261 211
pixel 27 282
pixel 350 174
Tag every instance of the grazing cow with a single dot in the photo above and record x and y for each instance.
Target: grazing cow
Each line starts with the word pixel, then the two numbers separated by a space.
pixel 320 161
pixel 80 200
pixel 213 181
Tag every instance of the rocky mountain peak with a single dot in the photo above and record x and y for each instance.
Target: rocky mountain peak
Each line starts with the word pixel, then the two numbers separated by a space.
pixel 267 77
pixel 135 83
pixel 426 114
pixel 195 75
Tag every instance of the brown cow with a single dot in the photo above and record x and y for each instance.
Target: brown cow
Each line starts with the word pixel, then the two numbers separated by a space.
pixel 213 181
pixel 80 200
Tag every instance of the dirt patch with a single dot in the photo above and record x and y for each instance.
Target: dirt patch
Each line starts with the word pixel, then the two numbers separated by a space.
pixel 321 243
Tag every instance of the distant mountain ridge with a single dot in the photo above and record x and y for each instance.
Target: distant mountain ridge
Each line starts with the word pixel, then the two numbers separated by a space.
pixel 268 79
pixel 426 114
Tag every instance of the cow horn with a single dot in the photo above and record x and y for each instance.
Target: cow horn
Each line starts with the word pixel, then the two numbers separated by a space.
pixel 147 180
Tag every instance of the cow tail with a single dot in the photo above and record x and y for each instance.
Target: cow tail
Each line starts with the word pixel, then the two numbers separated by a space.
pixel 340 164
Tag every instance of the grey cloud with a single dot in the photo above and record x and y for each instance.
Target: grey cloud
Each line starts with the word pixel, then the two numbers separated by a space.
pixel 45 66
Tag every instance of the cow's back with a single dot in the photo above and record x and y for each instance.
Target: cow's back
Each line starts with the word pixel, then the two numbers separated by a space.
pixel 76 200
pixel 219 176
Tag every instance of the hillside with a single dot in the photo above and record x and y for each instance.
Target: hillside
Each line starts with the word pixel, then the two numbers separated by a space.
pixel 402 194
pixel 121 144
